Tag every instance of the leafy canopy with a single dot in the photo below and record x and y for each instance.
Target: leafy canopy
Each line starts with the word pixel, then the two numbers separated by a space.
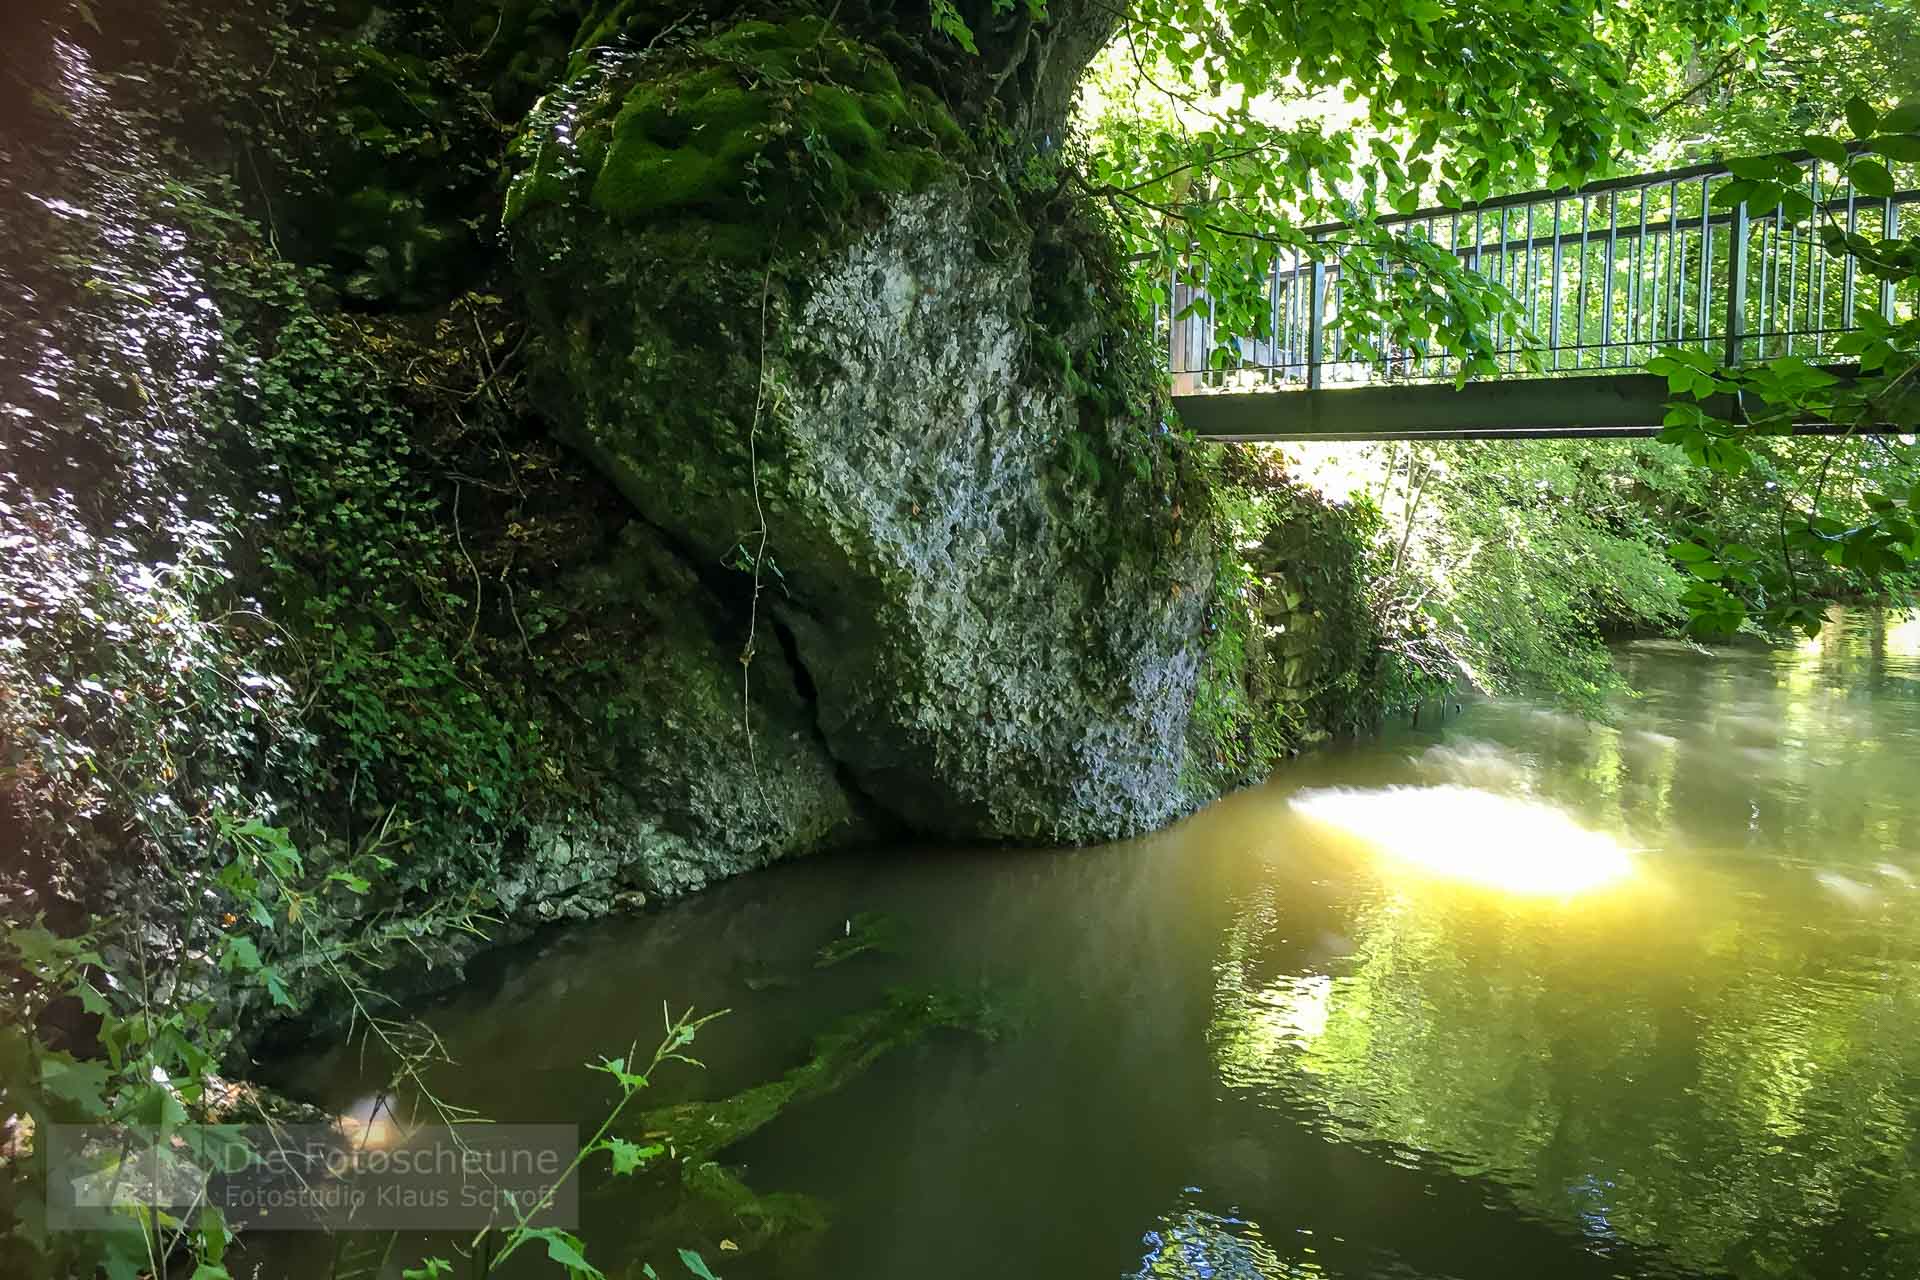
pixel 1223 133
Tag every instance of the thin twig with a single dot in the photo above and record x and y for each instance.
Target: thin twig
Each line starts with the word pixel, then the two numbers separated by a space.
pixel 478 591
pixel 760 552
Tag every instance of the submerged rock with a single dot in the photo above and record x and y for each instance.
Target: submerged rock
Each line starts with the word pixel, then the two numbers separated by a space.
pixel 716 1204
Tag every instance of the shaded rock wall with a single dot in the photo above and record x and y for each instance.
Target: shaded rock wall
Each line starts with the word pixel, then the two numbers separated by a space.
pixel 480 528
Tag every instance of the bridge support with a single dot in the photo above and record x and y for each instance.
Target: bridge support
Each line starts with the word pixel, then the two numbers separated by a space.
pixel 1586 405
pixel 1597 406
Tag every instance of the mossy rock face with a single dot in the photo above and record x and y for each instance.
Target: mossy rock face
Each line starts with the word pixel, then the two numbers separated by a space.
pixel 789 125
pixel 1294 656
pixel 1000 645
pixel 650 667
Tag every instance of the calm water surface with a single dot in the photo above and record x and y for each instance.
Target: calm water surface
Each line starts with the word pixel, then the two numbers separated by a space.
pixel 1514 996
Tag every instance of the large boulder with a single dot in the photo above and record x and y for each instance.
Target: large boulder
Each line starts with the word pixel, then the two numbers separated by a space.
pixel 975 553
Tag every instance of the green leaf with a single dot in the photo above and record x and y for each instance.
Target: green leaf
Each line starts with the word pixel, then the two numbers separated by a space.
pixel 1896 146
pixel 696 1264
pixel 1904 118
pixel 1861 117
pixel 213 1241
pixel 566 1250
pixel 84 1084
pixel 1689 552
pixel 240 955
pixel 629 1156
pixel 276 989
pixel 154 1106
pixel 1828 149
pixel 355 884
pixel 1870 178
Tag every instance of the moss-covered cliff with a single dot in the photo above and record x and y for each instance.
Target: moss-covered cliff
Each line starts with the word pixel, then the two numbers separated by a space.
pixel 545 455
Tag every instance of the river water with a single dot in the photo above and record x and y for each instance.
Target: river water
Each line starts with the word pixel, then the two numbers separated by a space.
pixel 1512 996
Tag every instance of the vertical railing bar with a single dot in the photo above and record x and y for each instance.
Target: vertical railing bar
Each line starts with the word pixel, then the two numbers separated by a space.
pixel 1453 247
pixel 1304 283
pixel 1639 270
pixel 1173 316
pixel 1386 337
pixel 1580 288
pixel 1479 239
pixel 1793 283
pixel 1706 260
pixel 1606 286
pixel 1670 312
pixel 1213 322
pixel 1316 305
pixel 1276 359
pixel 1846 270
pixel 1533 276
pixel 1737 233
pixel 1769 271
pixel 1506 282
pixel 1656 294
pixel 1889 228
pixel 1679 281
pixel 1288 349
pixel 1816 264
pixel 1553 320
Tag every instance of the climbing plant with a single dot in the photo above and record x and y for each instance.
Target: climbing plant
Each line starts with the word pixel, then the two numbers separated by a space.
pixel 1850 503
pixel 1223 142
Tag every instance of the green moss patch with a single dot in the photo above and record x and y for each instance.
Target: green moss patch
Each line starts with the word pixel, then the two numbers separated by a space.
pixel 791 120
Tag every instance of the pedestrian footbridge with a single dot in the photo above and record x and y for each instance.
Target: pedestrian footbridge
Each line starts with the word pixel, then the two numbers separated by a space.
pixel 1605 277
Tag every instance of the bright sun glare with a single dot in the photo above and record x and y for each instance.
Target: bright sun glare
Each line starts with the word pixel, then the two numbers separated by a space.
pixel 1519 846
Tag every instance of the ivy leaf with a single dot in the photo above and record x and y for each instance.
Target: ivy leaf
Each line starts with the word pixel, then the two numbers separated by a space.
pixel 629 1156
pixel 276 989
pixel 240 955
pixel 84 1084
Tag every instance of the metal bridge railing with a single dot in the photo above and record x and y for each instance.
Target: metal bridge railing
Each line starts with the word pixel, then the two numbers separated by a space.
pixel 1605 277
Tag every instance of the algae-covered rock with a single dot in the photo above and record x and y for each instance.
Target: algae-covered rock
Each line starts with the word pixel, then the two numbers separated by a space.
pixel 716 1203
pixel 698 1130
pixel 867 933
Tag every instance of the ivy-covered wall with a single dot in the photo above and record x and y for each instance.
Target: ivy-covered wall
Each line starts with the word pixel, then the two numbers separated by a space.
pixel 1295 648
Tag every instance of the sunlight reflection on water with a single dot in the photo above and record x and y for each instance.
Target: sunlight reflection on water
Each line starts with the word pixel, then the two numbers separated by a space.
pixel 1502 842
